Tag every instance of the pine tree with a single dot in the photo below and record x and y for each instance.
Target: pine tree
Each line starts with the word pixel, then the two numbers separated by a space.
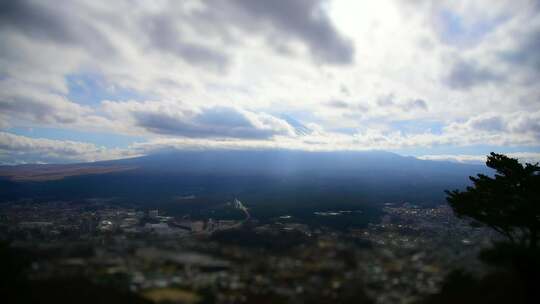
pixel 508 202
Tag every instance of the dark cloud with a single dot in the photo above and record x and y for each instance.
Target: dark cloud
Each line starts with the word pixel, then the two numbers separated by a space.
pixel 58 22
pixel 340 104
pixel 34 19
pixel 527 123
pixel 466 75
pixel 280 20
pixel 489 123
pixel 417 103
pixel 513 123
pixel 199 38
pixel 389 100
pixel 386 100
pixel 527 53
pixel 64 24
pixel 216 122
pixel 164 34
pixel 352 109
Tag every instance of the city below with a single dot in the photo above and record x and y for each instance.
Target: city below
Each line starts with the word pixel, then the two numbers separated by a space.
pixel 402 257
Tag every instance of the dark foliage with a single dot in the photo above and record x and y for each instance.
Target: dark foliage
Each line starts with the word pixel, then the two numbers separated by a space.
pixel 275 242
pixel 509 202
pixel 496 288
pixel 15 287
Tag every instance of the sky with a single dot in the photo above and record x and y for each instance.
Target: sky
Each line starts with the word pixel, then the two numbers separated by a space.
pixel 96 80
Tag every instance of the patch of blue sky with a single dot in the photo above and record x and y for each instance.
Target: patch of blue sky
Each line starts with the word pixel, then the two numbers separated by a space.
pixel 91 89
pixel 100 139
pixel 452 23
pixel 455 30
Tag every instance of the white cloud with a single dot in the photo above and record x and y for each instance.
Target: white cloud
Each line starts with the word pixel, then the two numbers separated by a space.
pixel 34 105
pixel 328 64
pixel 524 157
pixel 17 149
pixel 515 128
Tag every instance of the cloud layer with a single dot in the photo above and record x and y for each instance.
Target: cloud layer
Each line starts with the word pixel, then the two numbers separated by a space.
pixel 306 74
pixel 177 119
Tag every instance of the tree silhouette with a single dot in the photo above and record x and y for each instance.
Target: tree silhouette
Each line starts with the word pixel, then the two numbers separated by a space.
pixel 508 202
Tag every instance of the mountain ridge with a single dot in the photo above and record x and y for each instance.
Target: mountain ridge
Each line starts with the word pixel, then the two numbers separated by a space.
pixel 288 178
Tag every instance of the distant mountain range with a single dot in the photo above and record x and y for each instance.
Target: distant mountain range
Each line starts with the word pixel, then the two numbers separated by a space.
pixel 284 180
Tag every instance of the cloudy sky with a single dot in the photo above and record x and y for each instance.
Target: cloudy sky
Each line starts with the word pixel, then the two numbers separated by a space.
pixel 95 80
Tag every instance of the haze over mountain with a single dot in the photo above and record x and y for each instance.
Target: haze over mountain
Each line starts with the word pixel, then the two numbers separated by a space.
pixel 281 180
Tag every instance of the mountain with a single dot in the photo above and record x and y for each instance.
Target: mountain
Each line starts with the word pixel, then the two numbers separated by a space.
pixel 277 181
